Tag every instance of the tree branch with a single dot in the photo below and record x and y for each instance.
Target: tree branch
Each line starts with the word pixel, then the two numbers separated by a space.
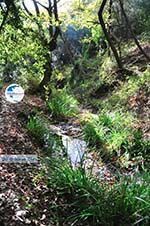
pixel 131 31
pixel 42 5
pixel 36 7
pixel 100 16
pixel 26 9
pixel 4 20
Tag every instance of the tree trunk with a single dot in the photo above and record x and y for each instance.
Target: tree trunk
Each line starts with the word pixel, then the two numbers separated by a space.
pixel 100 16
pixel 131 31
pixel 10 7
pixel 51 43
pixel 47 74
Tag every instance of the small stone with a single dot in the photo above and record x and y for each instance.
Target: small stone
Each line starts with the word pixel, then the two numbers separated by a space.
pixel 20 213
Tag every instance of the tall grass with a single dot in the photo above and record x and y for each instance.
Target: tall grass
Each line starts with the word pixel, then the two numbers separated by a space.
pixel 38 128
pixel 62 104
pixel 114 135
pixel 110 131
pixel 83 200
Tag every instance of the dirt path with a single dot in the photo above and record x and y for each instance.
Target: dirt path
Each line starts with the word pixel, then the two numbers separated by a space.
pixel 21 198
pixel 24 196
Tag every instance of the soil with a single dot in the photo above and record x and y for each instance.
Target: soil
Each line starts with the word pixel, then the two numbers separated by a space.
pixel 23 201
pixel 24 197
pixel 134 58
pixel 139 103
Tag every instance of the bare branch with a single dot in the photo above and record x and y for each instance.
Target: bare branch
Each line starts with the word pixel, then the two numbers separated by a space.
pixel 26 9
pixel 42 5
pixel 100 16
pixel 36 7
pixel 131 31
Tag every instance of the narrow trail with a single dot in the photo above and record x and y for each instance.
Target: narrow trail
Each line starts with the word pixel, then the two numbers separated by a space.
pixel 25 200
pixel 13 138
pixel 18 189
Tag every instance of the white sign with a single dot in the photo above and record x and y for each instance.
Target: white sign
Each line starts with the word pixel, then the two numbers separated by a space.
pixel 14 93
pixel 18 159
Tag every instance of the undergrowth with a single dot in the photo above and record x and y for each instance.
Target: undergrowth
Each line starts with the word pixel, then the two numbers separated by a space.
pixel 83 200
pixel 113 135
pixel 119 98
pixel 62 104
pixel 110 131
pixel 38 128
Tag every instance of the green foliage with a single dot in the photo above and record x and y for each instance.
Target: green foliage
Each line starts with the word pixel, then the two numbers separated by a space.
pixel 78 198
pixel 62 104
pixel 110 131
pixel 84 78
pixel 89 202
pixel 22 58
pixel 142 9
pixel 37 128
pixel 140 149
pixel 84 15
pixel 131 196
pixel 113 134
pixel 84 194
pixel 119 97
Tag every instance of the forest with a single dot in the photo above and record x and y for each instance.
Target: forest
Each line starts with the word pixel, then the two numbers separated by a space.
pixel 74 149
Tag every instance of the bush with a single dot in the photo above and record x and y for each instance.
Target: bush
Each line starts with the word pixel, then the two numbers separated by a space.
pixel 62 105
pixel 110 131
pixel 140 148
pixel 36 127
pixel 83 197
pixel 119 98
pixel 131 198
pixel 83 200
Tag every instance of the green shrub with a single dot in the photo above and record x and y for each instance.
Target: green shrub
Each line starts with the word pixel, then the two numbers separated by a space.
pixel 83 200
pixel 82 195
pixel 94 132
pixel 110 131
pixel 140 148
pixel 36 127
pixel 119 98
pixel 62 104
pixel 131 198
